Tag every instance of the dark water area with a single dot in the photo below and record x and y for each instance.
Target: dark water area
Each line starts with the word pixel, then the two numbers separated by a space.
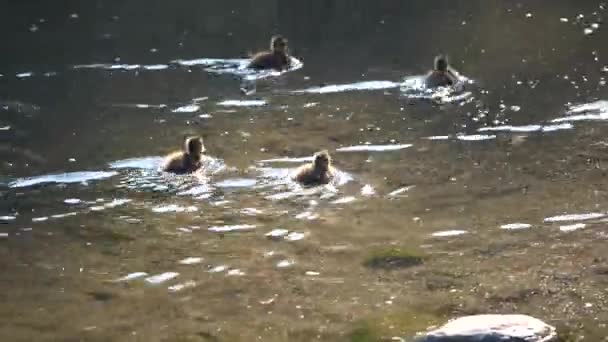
pixel 492 198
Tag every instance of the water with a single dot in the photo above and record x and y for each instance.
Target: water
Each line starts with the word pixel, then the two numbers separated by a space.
pixel 498 186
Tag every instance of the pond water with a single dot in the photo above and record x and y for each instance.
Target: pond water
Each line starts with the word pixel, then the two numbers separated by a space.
pixel 489 199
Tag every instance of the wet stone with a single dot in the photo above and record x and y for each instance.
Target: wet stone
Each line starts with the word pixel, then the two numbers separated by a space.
pixel 492 328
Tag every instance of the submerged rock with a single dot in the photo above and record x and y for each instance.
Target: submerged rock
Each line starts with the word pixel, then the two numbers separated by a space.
pixel 493 328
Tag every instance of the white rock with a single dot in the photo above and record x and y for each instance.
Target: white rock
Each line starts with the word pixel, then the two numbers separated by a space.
pixel 493 328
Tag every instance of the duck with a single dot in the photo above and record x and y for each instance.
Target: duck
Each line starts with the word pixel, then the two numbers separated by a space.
pixel 318 172
pixel 276 58
pixel 188 160
pixel 442 74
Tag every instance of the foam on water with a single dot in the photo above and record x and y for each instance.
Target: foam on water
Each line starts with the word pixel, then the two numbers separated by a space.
pixel 373 148
pixel 62 178
pixel 358 86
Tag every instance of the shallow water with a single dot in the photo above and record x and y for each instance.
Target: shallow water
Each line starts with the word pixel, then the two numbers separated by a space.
pixel 495 190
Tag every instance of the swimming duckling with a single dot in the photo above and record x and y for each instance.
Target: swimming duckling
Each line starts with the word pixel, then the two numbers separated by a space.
pixel 441 75
pixel 188 160
pixel 320 171
pixel 276 58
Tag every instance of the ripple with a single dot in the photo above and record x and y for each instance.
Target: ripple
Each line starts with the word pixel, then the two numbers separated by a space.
pixel 285 263
pixel 509 128
pixel 552 128
pixel 527 128
pixel 414 87
pixel 339 88
pixel 475 137
pixel 242 103
pixel 174 208
pixel 57 216
pixel 237 66
pixel 236 183
pixel 515 226
pixel 344 200
pixel 132 276
pixel 218 269
pixel 438 137
pixel 123 67
pixel 400 191
pixel 288 160
pixel 572 227
pixel 235 272
pixel 374 148
pixel 448 233
pixel 190 261
pixel 156 67
pixel 368 190
pixel 72 201
pixel 277 233
pixel 161 278
pixel 182 286
pixel 62 178
pixel 24 75
pixel 7 218
pixel 295 236
pixel 594 111
pixel 187 109
pixel 307 215
pixel 574 217
pixel 231 228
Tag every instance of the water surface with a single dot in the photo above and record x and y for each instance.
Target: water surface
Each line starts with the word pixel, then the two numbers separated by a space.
pixel 495 189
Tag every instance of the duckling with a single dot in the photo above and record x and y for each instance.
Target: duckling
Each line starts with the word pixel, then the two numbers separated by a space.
pixel 188 160
pixel 319 171
pixel 441 75
pixel 276 58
